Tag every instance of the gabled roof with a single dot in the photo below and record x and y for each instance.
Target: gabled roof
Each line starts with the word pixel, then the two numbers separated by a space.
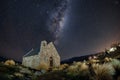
pixel 32 52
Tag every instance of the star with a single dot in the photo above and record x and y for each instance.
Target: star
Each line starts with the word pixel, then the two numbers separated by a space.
pixel 37 5
pixel 57 19
pixel 116 2
pixel 77 27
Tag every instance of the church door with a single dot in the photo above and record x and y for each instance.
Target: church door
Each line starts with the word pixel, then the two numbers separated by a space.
pixel 51 61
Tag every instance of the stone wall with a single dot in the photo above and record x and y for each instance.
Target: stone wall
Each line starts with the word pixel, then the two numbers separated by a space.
pixel 46 51
pixel 31 61
pixel 50 51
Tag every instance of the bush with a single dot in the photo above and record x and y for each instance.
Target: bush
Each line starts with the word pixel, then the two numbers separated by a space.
pixel 54 75
pixel 9 62
pixel 107 59
pixel 6 76
pixel 103 72
pixel 116 65
pixel 43 66
pixel 78 71
pixel 61 67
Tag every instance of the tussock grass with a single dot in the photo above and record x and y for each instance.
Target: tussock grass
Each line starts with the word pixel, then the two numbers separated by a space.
pixel 103 71
pixel 116 65
pixel 61 67
pixel 78 71
pixel 43 66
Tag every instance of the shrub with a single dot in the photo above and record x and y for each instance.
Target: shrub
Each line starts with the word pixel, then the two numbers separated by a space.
pixel 72 70
pixel 94 61
pixel 18 74
pixel 43 66
pixel 78 71
pixel 9 68
pixel 116 65
pixel 6 76
pixel 61 67
pixel 1 64
pixel 9 62
pixel 34 77
pixel 54 75
pixel 103 72
pixel 107 59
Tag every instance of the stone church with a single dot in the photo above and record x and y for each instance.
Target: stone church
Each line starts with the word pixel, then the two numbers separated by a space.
pixel 47 54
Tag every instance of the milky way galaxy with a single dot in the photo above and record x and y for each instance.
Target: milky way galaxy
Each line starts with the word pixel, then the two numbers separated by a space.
pixel 77 27
pixel 57 18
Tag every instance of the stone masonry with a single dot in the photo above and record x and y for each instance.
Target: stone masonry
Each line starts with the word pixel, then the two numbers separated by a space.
pixel 47 54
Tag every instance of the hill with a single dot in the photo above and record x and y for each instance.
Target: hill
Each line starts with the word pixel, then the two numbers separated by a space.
pixel 113 52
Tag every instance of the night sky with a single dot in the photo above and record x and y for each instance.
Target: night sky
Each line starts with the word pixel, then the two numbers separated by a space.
pixel 77 27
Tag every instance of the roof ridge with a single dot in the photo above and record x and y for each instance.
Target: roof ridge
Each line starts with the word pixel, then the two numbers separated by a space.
pixel 29 52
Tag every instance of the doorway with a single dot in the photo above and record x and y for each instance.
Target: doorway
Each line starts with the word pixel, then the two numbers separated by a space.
pixel 51 61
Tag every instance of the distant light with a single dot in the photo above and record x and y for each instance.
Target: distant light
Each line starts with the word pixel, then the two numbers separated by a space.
pixel 90 58
pixel 112 49
pixel 119 45
pixel 94 57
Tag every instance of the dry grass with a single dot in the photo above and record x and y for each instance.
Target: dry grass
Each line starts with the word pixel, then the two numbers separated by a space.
pixel 9 62
pixel 116 65
pixel 107 59
pixel 56 75
pixel 61 67
pixel 43 66
pixel 103 72
pixel 78 71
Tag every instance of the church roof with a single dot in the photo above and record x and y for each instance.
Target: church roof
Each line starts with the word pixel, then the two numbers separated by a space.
pixel 32 52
